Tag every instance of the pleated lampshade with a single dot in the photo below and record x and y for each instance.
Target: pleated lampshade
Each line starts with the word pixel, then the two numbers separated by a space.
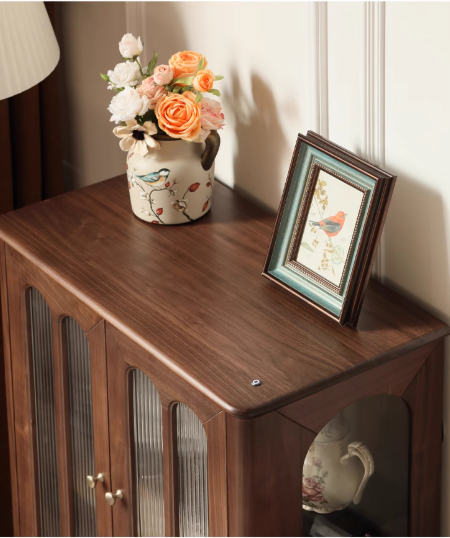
pixel 28 48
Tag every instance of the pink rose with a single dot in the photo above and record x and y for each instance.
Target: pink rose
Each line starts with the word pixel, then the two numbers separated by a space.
pixel 152 91
pixel 212 118
pixel 163 74
pixel 312 490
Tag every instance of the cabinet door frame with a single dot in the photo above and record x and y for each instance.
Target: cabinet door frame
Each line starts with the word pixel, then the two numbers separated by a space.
pixel 124 356
pixel 9 392
pixel 21 275
pixel 413 377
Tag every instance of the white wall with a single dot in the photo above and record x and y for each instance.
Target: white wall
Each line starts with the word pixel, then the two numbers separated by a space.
pixel 389 88
pixel 417 256
pixel 88 34
pixel 375 78
pixel 266 90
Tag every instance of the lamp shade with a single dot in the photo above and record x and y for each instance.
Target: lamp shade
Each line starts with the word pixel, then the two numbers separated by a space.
pixel 28 48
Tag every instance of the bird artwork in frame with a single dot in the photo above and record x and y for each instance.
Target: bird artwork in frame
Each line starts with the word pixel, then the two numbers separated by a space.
pixel 328 227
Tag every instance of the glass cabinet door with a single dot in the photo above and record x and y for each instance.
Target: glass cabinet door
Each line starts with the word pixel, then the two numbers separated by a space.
pixel 81 428
pixel 149 476
pixel 59 403
pixel 76 405
pixel 148 448
pixel 162 450
pixel 45 414
pixel 192 450
pixel 144 491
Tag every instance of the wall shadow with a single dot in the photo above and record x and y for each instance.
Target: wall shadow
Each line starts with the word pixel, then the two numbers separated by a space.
pixel 416 244
pixel 260 142
pixel 165 33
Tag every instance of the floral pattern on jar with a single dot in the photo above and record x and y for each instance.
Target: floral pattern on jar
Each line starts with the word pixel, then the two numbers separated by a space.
pixel 313 488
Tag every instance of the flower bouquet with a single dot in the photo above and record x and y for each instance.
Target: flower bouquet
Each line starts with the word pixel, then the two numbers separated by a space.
pixel 157 108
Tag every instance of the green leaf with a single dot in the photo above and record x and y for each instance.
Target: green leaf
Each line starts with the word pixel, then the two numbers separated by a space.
pixel 152 62
pixel 338 255
pixel 201 64
pixel 150 115
pixel 198 98
pixel 176 89
pixel 183 80
pixel 219 77
pixel 215 92
pixel 104 77
pixel 305 245
pixel 186 89
pixel 118 90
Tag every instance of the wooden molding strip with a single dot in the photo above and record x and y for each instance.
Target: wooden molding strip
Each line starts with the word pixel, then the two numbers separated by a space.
pixel 319 66
pixel 374 101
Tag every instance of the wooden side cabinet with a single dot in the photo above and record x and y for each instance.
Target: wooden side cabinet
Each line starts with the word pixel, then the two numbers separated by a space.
pixel 130 355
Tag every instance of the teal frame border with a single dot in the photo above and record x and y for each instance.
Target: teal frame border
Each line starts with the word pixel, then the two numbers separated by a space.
pixel 308 287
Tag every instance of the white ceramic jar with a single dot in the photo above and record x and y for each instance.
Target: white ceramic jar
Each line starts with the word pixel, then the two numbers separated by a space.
pixel 173 185
pixel 335 471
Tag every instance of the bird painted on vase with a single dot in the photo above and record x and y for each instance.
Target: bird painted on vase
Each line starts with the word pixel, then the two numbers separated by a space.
pixel 331 225
pixel 155 178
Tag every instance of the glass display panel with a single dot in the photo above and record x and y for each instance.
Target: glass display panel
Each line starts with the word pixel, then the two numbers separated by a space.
pixel 192 473
pixel 381 423
pixel 45 414
pixel 81 428
pixel 148 446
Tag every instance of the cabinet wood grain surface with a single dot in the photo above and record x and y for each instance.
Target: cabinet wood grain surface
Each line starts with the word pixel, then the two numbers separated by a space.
pixel 187 306
pixel 229 325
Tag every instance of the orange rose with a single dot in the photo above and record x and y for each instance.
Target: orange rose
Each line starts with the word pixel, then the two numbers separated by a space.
pixel 204 80
pixel 179 115
pixel 185 62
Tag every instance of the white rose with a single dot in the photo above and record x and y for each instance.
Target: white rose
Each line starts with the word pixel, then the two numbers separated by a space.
pixel 127 104
pixel 124 74
pixel 129 46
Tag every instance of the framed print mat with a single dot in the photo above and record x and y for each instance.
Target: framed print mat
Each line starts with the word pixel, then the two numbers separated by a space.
pixel 328 227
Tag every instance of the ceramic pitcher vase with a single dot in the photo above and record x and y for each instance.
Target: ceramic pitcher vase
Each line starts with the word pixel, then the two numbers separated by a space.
pixel 336 470
pixel 174 184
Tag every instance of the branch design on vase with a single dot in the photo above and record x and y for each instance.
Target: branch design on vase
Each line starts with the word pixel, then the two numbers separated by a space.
pixel 160 182
pixel 208 198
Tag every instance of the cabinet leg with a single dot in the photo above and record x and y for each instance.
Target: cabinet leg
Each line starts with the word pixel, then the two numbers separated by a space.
pixel 6 521
pixel 265 466
pixel 424 397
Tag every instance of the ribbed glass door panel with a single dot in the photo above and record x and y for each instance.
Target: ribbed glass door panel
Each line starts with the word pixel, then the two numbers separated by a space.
pixel 148 446
pixel 192 473
pixel 45 415
pixel 81 428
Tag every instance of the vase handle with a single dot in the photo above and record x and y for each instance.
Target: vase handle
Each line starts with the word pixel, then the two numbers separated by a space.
pixel 212 147
pixel 362 452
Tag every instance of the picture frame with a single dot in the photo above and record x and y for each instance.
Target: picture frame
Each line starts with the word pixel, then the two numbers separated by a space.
pixel 328 226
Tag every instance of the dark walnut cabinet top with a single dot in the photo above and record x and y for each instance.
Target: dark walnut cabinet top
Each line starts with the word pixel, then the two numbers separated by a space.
pixel 193 296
